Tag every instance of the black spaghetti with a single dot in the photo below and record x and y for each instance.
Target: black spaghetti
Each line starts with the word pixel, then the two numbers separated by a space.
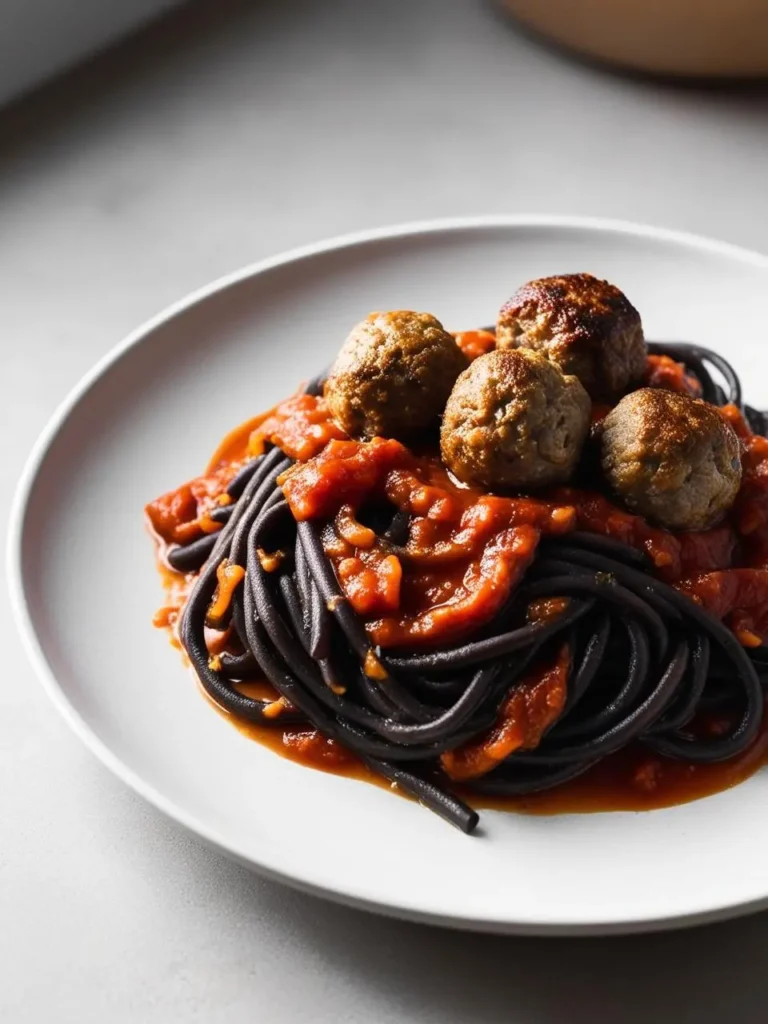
pixel 643 660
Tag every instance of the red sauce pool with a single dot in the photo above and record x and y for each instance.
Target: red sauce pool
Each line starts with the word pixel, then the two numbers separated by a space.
pixel 631 780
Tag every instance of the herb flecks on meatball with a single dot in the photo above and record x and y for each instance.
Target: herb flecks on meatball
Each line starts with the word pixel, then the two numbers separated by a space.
pixel 585 325
pixel 393 375
pixel 672 458
pixel 514 421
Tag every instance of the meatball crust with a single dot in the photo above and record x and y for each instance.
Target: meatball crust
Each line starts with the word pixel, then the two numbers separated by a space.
pixel 393 375
pixel 514 420
pixel 672 458
pixel 585 325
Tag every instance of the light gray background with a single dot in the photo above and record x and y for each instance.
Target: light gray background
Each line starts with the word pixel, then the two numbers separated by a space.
pixel 229 132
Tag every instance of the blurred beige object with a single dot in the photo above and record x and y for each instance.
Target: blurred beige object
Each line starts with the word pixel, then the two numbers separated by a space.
pixel 723 38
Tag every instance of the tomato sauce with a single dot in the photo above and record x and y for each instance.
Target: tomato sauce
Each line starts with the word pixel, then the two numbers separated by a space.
pixel 634 779
pixel 664 372
pixel 475 343
pixel 465 550
pixel 464 553
pixel 527 712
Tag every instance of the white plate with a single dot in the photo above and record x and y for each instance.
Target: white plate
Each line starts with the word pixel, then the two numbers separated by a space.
pixel 85 587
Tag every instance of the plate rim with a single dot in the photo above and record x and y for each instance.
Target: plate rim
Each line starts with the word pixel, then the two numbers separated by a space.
pixel 43 670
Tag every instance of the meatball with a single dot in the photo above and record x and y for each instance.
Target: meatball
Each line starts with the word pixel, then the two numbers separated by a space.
pixel 585 325
pixel 393 375
pixel 672 458
pixel 514 420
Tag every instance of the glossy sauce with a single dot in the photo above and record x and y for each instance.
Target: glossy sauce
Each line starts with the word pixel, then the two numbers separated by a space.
pixel 464 553
pixel 631 780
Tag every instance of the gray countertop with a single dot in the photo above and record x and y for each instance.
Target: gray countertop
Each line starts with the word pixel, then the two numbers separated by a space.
pixel 229 132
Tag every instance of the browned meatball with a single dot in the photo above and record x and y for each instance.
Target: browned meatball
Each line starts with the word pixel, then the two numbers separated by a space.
pixel 393 375
pixel 672 458
pixel 585 325
pixel 514 420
